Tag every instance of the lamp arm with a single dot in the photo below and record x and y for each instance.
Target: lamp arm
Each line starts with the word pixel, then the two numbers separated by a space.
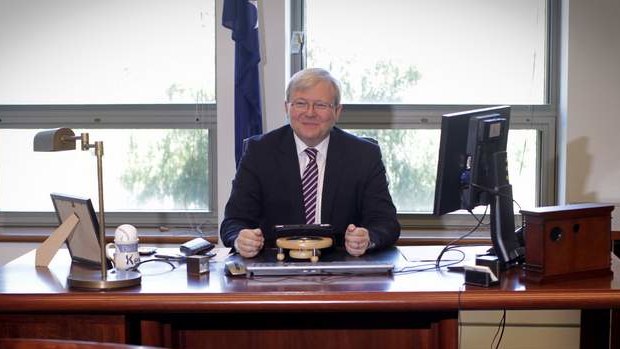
pixel 83 137
pixel 99 154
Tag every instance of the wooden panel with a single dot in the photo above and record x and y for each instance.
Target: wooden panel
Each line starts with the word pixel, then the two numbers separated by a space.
pixel 592 234
pixel 300 339
pixel 102 328
pixel 155 333
pixel 309 330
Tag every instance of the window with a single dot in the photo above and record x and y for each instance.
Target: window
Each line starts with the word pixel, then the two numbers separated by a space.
pixel 432 52
pixel 138 75
pixel 107 52
pixel 400 71
pixel 410 157
pixel 161 170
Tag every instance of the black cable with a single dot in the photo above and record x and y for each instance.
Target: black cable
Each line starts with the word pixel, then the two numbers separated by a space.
pixel 137 266
pixel 500 331
pixel 450 245
pixel 428 266
pixel 496 192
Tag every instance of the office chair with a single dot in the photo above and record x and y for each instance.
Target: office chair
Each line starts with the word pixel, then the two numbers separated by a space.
pixel 245 142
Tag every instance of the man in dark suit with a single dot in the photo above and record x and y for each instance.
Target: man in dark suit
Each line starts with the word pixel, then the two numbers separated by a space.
pixel 350 185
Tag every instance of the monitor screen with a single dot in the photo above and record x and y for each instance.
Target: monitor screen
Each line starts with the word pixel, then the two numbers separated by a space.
pixel 472 171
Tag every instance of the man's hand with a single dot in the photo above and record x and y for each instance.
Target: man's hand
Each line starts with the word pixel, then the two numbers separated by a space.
pixel 249 242
pixel 356 240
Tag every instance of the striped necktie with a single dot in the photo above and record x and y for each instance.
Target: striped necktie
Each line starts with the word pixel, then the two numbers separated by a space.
pixel 309 182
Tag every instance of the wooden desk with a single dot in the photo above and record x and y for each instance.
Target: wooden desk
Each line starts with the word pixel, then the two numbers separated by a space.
pixel 412 310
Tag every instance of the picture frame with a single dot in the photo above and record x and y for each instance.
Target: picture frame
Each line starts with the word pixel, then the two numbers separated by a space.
pixel 83 244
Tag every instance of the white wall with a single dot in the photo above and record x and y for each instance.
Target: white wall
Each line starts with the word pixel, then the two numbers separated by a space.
pixel 590 107
pixel 224 60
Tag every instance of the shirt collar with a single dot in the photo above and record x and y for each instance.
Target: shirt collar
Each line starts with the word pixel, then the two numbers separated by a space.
pixel 321 147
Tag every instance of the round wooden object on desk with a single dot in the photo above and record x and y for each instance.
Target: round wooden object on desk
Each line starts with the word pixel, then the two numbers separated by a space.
pixel 304 242
pixel 303 247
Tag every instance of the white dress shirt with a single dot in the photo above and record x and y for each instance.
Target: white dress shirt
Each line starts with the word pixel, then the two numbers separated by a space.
pixel 321 158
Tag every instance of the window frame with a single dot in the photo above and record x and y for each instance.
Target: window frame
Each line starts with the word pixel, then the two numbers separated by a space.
pixel 542 118
pixel 121 116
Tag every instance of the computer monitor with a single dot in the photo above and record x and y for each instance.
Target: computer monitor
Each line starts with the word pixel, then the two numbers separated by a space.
pixel 473 171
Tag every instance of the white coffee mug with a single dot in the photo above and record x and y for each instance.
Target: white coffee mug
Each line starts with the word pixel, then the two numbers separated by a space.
pixel 125 255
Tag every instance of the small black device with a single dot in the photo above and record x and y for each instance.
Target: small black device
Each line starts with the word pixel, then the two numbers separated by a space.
pixel 480 275
pixel 196 246
pixel 490 261
pixel 234 268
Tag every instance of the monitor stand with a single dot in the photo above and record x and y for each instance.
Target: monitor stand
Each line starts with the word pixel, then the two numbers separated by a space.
pixel 505 241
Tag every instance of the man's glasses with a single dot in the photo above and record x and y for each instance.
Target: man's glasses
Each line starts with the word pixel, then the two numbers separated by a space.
pixel 302 105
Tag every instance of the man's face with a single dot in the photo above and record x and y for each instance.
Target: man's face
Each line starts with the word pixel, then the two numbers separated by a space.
pixel 312 113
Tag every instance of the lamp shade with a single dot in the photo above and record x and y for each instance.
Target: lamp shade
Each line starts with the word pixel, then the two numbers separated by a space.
pixel 58 139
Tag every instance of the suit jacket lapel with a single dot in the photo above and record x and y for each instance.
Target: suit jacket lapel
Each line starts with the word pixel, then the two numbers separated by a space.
pixel 333 174
pixel 290 164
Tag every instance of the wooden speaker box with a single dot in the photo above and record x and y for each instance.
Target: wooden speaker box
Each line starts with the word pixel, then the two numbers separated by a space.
pixel 567 242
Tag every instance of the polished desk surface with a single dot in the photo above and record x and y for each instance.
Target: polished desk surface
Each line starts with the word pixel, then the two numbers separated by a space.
pixel 415 286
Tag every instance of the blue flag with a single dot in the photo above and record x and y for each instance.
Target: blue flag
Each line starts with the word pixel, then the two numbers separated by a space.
pixel 241 16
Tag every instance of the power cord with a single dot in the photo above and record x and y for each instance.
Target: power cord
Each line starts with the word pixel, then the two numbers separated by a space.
pixel 496 192
pixel 137 266
pixel 451 245
pixel 428 266
pixel 500 331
